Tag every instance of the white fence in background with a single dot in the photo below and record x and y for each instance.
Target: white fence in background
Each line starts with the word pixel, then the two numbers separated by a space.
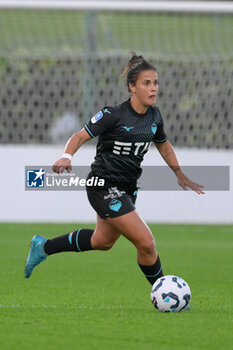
pixel 18 205
pixel 157 6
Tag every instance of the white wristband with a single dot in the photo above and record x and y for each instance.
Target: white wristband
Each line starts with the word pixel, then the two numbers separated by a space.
pixel 67 155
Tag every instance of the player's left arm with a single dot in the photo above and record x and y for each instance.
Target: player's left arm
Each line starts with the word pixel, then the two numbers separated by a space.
pixel 167 152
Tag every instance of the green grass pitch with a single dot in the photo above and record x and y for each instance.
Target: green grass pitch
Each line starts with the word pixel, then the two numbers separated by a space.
pixel 101 300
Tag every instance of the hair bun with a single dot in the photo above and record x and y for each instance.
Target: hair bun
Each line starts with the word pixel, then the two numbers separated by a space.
pixel 135 58
pixel 133 62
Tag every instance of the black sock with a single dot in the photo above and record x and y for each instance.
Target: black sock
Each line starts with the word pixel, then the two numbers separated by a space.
pixel 152 272
pixel 77 241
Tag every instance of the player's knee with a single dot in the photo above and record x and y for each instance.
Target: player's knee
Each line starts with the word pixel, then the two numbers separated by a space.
pixel 100 245
pixel 106 246
pixel 147 246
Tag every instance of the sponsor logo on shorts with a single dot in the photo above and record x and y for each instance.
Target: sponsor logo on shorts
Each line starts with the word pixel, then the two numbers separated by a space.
pixel 115 205
pixel 114 193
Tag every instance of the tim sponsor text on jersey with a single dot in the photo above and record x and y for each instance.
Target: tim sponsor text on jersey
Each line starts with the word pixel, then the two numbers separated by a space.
pixel 126 147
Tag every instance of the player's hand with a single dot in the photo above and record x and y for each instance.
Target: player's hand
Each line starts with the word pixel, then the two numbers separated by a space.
pixel 185 182
pixel 62 164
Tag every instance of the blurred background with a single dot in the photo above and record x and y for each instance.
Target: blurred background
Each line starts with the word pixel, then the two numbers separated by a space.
pixel 60 62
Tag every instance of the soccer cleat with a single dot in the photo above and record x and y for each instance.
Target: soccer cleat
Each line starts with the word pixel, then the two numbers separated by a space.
pixel 36 254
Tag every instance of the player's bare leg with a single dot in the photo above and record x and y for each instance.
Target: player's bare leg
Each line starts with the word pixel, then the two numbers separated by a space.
pixel 104 235
pixel 135 230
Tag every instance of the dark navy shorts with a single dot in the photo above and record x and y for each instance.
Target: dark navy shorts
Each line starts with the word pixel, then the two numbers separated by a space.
pixel 112 201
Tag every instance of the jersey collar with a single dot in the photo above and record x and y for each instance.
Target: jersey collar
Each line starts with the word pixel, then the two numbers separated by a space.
pixel 130 108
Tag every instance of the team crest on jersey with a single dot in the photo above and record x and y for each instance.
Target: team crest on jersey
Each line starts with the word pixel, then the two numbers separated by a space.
pixel 97 117
pixel 154 127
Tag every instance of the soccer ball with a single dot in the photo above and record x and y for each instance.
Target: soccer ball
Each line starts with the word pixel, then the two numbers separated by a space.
pixel 170 294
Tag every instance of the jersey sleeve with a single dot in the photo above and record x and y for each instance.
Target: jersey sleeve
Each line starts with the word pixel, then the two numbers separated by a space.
pixel 160 135
pixel 100 122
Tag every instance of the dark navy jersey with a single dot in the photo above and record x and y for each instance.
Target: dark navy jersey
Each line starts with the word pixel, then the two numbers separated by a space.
pixel 124 138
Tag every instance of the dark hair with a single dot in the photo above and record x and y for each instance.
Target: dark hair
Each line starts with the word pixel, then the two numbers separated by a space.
pixel 135 66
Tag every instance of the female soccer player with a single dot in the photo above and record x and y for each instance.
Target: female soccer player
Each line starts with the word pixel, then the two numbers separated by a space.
pixel 125 133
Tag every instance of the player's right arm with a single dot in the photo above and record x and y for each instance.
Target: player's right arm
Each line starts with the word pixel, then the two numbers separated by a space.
pixel 73 144
pixel 99 123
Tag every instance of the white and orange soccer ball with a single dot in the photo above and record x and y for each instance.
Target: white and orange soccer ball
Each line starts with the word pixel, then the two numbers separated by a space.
pixel 170 294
